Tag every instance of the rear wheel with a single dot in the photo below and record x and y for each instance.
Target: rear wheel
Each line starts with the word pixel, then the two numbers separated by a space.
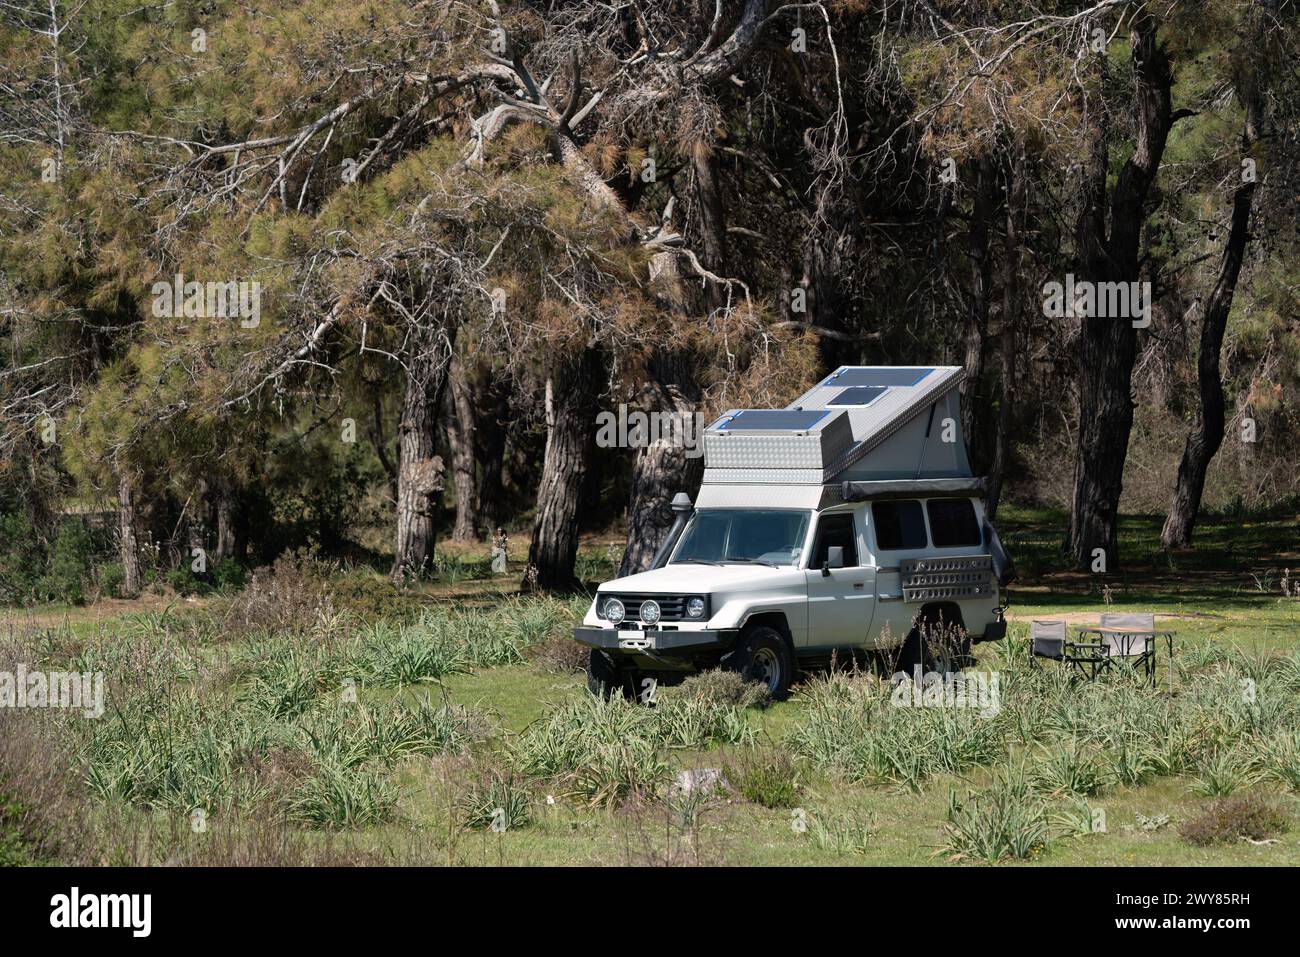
pixel 762 654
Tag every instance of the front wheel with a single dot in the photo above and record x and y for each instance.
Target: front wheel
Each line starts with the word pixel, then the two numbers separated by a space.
pixel 606 678
pixel 761 654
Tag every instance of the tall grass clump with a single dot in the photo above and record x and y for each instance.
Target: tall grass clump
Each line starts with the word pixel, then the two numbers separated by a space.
pixel 852 728
pixel 1006 820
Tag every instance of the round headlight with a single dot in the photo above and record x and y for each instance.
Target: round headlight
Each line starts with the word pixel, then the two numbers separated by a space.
pixel 695 608
pixel 649 612
pixel 614 611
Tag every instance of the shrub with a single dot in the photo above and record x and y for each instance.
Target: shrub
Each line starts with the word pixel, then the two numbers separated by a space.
pixel 1230 819
pixel 111 579
pixel 1068 766
pixel 560 655
pixel 605 751
pixel 229 575
pixel 1222 772
pixel 71 556
pixel 1006 820
pixel 720 687
pixel 334 795
pixel 768 777
pixel 495 799
pixel 843 833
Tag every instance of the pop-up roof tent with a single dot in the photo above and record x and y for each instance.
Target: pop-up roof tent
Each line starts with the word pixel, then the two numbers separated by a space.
pixel 863 431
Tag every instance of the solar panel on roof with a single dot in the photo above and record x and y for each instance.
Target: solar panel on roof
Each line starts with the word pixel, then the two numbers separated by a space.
pixel 878 377
pixel 786 420
pixel 858 395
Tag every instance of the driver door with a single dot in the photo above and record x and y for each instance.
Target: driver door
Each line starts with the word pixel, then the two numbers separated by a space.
pixel 840 600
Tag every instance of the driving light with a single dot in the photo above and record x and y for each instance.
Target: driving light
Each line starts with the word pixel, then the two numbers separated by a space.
pixel 695 608
pixel 650 612
pixel 614 611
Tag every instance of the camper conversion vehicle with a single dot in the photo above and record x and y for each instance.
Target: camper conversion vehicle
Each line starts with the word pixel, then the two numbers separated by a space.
pixel 843 525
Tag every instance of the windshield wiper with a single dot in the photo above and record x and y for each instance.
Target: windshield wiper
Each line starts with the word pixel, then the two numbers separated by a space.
pixel 752 561
pixel 696 561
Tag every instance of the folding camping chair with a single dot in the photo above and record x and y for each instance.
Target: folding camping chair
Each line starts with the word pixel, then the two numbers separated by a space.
pixel 1129 637
pixel 1050 640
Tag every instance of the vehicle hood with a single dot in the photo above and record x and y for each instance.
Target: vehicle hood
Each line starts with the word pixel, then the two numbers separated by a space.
pixel 696 579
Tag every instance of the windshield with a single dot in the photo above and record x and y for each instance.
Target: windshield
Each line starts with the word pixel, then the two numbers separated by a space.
pixel 759 535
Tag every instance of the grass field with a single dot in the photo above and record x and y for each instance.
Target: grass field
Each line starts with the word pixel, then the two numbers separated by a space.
pixel 299 722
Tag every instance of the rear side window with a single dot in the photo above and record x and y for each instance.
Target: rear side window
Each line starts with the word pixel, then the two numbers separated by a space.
pixel 899 525
pixel 953 522
pixel 836 529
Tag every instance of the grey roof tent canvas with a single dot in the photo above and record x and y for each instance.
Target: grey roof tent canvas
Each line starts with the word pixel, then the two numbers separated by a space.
pixel 859 424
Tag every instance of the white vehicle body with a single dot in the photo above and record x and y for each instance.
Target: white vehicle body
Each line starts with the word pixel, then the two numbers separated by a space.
pixel 836 522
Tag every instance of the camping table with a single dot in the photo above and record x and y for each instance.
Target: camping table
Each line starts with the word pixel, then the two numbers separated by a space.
pixel 1154 633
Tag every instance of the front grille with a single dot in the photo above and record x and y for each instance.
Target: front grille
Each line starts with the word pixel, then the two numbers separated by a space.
pixel 671 607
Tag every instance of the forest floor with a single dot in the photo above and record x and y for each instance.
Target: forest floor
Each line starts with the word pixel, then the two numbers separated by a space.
pixel 476 704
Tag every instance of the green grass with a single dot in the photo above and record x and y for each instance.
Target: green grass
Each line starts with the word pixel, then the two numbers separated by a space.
pixel 453 720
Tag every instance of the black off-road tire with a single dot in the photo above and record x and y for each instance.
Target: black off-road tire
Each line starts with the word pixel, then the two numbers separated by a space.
pixel 606 678
pixel 763 654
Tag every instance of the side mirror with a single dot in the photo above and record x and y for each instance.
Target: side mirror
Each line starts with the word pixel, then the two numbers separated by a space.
pixel 834 559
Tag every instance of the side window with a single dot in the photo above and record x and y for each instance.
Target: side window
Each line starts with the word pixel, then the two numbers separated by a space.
pixel 953 522
pixel 899 525
pixel 835 529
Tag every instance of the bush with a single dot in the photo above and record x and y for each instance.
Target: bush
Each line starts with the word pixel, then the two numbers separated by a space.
pixel 21 560
pixel 1230 819
pixel 496 800
pixel 560 655
pixel 71 556
pixel 229 575
pixel 766 777
pixel 112 577
pixel 1006 820
pixel 720 687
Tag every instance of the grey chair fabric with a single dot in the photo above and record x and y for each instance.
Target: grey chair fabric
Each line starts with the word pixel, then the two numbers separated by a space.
pixel 1141 624
pixel 1048 639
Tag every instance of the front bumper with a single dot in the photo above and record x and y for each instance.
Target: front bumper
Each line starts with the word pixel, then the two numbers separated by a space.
pixel 653 640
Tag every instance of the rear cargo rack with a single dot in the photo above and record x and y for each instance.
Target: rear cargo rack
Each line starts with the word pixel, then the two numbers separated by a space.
pixel 934 579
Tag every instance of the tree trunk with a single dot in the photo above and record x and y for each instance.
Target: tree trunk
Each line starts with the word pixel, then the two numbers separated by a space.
pixel 664 467
pixel 1108 344
pixel 1204 442
pixel 490 447
pixel 128 541
pixel 419 477
pixel 461 429
pixel 223 504
pixel 977 315
pixel 569 444
pixel 1007 339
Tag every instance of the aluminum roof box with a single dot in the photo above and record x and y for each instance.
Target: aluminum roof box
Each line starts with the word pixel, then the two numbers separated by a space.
pixel 777 439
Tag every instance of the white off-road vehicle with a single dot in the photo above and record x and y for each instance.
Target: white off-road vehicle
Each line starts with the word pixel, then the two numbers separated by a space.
pixel 842 525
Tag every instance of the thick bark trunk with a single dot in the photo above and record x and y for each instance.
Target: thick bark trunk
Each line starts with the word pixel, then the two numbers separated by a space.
pixel 977 315
pixel 569 444
pixel 490 448
pixel 128 540
pixel 461 431
pixel 1108 344
pixel 419 478
pixel 223 507
pixel 1204 442
pixel 664 467
pixel 1007 340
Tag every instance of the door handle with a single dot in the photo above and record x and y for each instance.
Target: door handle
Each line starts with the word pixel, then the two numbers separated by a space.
pixel 858 584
